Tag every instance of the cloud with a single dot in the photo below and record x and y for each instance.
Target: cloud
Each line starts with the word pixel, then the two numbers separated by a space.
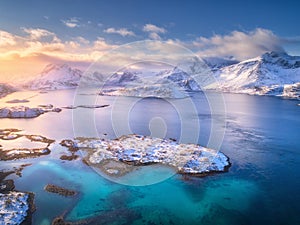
pixel 6 38
pixel 101 45
pixel 153 28
pixel 82 40
pixel 123 31
pixel 241 45
pixel 72 22
pixel 154 36
pixel 37 33
pixel 154 31
pixel 38 46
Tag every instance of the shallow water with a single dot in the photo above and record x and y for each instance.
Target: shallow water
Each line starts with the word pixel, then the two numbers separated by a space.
pixel 261 138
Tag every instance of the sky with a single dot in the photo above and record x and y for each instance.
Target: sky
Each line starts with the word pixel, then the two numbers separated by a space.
pixel 35 33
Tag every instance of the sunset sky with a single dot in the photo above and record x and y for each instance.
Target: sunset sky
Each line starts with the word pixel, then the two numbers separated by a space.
pixel 36 33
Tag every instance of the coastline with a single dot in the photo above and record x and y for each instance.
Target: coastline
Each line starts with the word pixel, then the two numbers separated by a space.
pixel 9 188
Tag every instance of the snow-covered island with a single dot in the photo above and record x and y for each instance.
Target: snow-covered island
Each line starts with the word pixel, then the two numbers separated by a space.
pixel 26 112
pixel 140 150
pixel 13 207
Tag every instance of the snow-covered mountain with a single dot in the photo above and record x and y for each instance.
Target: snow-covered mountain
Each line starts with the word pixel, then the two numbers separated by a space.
pixel 216 63
pixel 272 73
pixel 6 89
pixel 124 78
pixel 54 76
pixel 179 78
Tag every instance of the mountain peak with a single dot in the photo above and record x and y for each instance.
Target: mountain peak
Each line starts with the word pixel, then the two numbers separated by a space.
pixel 273 55
pixel 55 76
pixel 55 67
pixel 281 59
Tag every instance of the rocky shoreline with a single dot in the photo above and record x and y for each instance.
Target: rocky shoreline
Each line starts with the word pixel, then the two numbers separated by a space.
pixel 21 153
pixel 70 145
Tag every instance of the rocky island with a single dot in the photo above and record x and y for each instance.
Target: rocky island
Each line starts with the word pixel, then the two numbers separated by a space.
pixel 112 156
pixel 59 190
pixel 40 145
pixel 26 112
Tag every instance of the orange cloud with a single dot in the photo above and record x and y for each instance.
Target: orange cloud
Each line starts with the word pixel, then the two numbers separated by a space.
pixel 26 56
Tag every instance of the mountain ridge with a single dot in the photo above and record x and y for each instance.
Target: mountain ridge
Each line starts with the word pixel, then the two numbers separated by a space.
pixel 272 73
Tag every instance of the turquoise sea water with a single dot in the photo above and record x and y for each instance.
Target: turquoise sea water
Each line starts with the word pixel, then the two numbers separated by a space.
pixel 262 186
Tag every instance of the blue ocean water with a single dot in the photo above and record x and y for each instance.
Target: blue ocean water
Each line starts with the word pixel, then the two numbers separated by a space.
pixel 262 186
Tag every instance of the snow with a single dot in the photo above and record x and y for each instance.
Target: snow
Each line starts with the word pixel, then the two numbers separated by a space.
pixel 142 150
pixel 13 208
pixel 20 112
pixel 291 90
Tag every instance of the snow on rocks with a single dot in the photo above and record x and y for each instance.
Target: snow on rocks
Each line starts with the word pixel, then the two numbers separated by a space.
pixel 292 91
pixel 13 207
pixel 143 150
pixel 26 112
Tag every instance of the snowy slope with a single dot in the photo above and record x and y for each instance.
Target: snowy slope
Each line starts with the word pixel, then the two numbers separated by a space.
pixel 54 77
pixel 179 78
pixel 6 89
pixel 270 74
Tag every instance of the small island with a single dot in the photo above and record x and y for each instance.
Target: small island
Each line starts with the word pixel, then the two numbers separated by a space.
pixel 59 190
pixel 26 112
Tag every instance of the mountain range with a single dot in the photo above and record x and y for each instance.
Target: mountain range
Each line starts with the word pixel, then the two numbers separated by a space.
pixel 273 73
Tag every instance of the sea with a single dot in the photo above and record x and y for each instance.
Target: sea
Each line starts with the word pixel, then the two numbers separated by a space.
pixel 260 135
